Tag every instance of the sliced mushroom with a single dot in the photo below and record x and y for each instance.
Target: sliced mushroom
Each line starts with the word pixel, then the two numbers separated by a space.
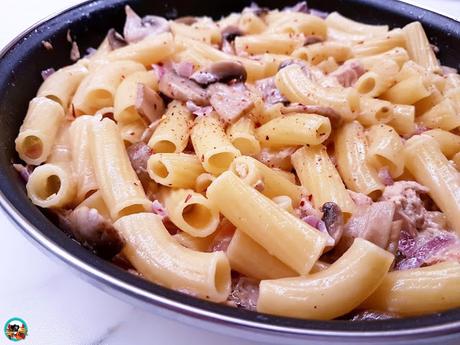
pixel 92 230
pixel 223 72
pixel 230 33
pixel 187 20
pixel 182 89
pixel 115 39
pixel 149 105
pixel 137 28
pixel 334 117
pixel 333 219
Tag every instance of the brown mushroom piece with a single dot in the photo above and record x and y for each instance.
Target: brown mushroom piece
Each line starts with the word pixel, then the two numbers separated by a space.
pixel 115 39
pixel 334 117
pixel 137 28
pixel 231 32
pixel 333 219
pixel 92 230
pixel 182 89
pixel 222 72
pixel 149 104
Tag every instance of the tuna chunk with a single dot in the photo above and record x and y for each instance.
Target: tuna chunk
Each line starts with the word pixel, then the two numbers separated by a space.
pixel 348 74
pixel 230 101
pixel 245 293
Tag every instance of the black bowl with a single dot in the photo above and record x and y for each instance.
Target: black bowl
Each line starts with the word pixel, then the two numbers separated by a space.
pixel 20 65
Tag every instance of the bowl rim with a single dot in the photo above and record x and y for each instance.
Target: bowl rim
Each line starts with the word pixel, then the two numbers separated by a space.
pixel 199 310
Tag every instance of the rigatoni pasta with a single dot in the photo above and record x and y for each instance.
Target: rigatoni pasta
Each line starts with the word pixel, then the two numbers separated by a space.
pixel 290 162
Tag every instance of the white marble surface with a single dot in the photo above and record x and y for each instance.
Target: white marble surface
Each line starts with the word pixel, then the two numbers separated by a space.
pixel 59 307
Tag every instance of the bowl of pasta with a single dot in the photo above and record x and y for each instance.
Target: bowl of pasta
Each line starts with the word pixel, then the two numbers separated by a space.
pixel 287 172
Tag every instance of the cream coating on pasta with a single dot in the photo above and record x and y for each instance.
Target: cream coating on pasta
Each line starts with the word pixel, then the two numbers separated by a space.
pixel 289 161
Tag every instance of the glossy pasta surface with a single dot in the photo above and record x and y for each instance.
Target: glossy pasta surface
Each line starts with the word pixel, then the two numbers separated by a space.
pixel 286 161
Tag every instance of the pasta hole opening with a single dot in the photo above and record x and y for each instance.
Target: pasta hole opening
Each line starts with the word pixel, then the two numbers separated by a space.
pixel 302 54
pixel 203 182
pixel 221 160
pixel 160 170
pixel 197 216
pixel 128 115
pixel 52 187
pixel 384 114
pixel 32 147
pixel 164 146
pixel 221 277
pixel 137 208
pixel 383 162
pixel 245 145
pixel 366 86
pixel 322 132
pixel 101 98
pixel 375 195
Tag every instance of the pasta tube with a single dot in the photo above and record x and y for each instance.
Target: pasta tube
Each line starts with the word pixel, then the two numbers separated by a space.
pixel 173 132
pixel 98 89
pixel 292 241
pixel 442 115
pixel 351 153
pixel 252 260
pixel 408 91
pixel 242 136
pixel 212 145
pixel 82 164
pixel 127 93
pixel 190 211
pixel 267 43
pixel 418 291
pixel 297 87
pixel 448 142
pixel 330 293
pixel 419 47
pixel 294 129
pixel 62 84
pixel 319 176
pixel 403 119
pixel 274 183
pixel 158 257
pixel 385 147
pixel 39 129
pixel 431 168
pixel 150 50
pixel 120 187
pixel 176 170
pixel 51 186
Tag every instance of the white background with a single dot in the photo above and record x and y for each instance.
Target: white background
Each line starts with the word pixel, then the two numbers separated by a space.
pixel 59 308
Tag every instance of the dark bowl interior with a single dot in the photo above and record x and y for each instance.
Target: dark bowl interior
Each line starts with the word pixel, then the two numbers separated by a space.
pixel 24 59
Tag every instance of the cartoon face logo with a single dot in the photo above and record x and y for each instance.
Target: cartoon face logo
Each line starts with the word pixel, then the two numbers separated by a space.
pixel 15 329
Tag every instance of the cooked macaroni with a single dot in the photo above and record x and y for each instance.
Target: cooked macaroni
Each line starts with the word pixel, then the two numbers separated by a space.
pixel 291 162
